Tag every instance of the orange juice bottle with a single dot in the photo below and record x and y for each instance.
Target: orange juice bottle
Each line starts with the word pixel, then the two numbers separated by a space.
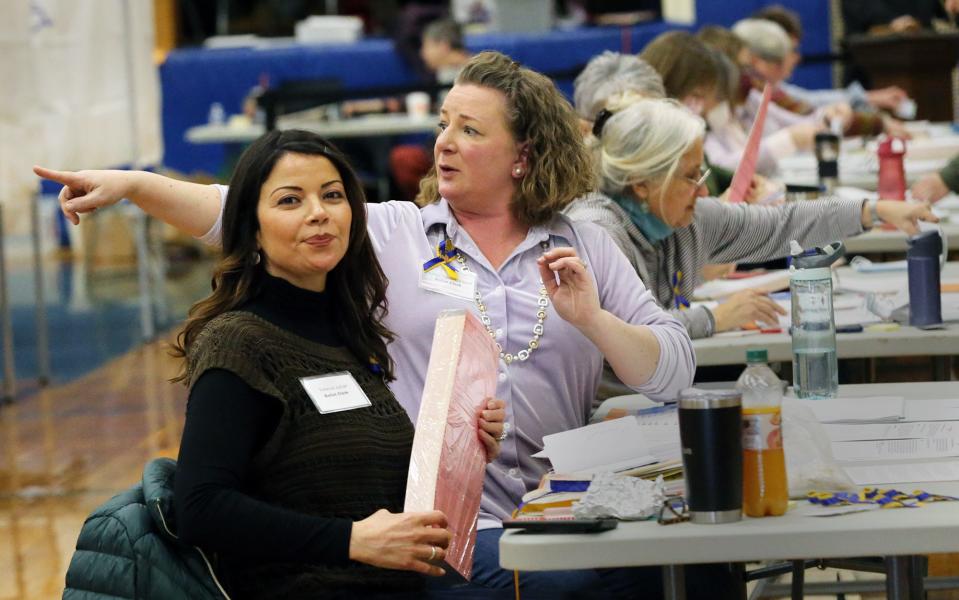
pixel 765 491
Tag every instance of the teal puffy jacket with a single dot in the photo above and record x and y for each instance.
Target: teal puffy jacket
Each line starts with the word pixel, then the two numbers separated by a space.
pixel 127 548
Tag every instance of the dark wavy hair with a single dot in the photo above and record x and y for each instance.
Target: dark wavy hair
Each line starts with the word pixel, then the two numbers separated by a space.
pixel 357 283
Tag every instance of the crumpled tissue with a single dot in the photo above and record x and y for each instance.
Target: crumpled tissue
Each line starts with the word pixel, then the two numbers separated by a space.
pixel 621 497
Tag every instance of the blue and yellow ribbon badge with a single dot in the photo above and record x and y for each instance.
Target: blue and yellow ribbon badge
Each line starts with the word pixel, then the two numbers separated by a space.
pixel 682 303
pixel 375 366
pixel 445 254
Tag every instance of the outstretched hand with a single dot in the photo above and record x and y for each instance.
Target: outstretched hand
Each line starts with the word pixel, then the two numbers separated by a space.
pixel 86 191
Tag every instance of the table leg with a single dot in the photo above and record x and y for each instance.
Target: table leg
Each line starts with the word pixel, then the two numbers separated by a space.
pixel 901 579
pixel 6 324
pixel 674 582
pixel 941 368
pixel 798 579
pixel 43 339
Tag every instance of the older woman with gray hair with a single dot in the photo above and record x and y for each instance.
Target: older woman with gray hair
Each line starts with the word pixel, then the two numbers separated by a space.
pixel 653 204
pixel 609 74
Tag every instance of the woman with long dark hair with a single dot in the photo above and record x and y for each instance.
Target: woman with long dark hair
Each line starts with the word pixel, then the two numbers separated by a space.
pixel 299 501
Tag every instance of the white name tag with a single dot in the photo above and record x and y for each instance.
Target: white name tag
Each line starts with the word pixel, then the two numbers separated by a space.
pixel 436 280
pixel 335 392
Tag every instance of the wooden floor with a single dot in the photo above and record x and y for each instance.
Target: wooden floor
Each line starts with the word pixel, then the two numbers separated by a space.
pixel 67 449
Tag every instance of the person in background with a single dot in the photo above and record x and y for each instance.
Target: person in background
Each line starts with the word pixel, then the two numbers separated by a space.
pixel 888 98
pixel 934 186
pixel 653 203
pixel 444 54
pixel 557 296
pixel 443 51
pixel 607 75
pixel 769 62
pixel 894 16
pixel 694 75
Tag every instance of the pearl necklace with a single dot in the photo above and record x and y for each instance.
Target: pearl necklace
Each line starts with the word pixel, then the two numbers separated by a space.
pixel 541 304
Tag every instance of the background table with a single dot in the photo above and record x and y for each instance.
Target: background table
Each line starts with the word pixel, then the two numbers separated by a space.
pixel 900 532
pixel 377 131
pixel 906 341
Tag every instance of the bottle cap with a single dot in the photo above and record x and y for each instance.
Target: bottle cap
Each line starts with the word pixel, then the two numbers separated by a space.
pixel 756 355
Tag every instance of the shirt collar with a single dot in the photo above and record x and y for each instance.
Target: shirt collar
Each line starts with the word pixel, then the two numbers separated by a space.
pixel 439 214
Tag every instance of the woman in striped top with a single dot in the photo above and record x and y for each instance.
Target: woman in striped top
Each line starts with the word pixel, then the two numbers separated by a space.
pixel 652 202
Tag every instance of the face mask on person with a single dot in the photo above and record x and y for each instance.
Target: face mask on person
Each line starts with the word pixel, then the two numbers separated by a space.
pixel 695 104
pixel 719 116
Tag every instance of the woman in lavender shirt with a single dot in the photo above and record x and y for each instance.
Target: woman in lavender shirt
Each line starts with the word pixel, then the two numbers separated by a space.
pixel 557 297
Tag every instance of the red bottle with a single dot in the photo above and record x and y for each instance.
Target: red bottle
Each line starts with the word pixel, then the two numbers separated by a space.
pixel 892 176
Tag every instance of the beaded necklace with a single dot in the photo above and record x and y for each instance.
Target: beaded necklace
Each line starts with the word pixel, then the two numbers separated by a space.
pixel 541 305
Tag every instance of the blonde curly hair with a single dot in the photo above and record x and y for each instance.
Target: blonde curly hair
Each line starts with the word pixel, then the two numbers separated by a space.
pixel 559 167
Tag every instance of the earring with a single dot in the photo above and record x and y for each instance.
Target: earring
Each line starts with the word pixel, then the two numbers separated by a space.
pixel 257 257
pixel 518 171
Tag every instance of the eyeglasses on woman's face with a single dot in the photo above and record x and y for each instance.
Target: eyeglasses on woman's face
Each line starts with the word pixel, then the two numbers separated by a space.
pixel 701 181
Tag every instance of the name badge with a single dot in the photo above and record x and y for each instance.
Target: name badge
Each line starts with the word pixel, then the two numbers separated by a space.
pixel 436 280
pixel 335 392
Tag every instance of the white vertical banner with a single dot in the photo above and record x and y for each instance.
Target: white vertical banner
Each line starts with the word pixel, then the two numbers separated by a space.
pixel 68 92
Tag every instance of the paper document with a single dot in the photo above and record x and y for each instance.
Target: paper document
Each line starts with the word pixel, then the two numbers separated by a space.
pixel 932 410
pixel 857 410
pixel 893 431
pixel 660 431
pixel 720 288
pixel 918 472
pixel 614 445
pixel 943 447
pixel 747 164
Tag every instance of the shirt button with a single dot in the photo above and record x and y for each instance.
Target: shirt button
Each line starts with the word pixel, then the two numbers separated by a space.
pixel 499 333
pixel 502 377
pixel 506 426
pixel 513 472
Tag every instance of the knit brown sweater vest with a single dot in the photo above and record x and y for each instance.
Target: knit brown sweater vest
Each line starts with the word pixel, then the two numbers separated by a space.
pixel 346 464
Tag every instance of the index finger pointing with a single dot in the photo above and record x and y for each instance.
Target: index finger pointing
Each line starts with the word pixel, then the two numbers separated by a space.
pixel 64 177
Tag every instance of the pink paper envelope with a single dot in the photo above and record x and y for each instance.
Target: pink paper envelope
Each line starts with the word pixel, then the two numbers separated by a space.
pixel 747 166
pixel 448 462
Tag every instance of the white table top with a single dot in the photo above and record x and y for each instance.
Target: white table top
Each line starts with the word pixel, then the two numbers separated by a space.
pixel 906 341
pixel 368 126
pixel 932 528
pixel 859 165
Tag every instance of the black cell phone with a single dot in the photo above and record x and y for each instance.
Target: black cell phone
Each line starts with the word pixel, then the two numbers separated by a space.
pixel 563 525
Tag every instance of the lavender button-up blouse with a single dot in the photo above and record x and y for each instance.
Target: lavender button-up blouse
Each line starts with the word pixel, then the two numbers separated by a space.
pixel 552 391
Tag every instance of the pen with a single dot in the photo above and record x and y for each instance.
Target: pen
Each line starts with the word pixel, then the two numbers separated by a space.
pixel 849 329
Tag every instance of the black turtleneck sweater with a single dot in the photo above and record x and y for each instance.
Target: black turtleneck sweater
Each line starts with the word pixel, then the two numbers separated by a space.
pixel 222 475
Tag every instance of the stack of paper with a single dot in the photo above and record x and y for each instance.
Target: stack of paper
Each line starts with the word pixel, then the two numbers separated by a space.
pixel 614 445
pixel 448 461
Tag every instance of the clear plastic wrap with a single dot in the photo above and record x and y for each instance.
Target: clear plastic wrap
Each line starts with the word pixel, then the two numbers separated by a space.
pixel 448 461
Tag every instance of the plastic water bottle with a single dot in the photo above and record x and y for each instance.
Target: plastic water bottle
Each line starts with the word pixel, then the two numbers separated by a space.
pixel 765 487
pixel 815 369
pixel 923 259
pixel 892 175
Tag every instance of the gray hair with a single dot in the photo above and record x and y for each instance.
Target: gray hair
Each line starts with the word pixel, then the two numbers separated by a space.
pixel 765 39
pixel 445 30
pixel 644 142
pixel 613 73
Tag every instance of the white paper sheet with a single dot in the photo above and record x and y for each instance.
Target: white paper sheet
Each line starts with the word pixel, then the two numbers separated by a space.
pixel 614 445
pixel 904 472
pixel 858 410
pixel 932 410
pixel 942 447
pixel 720 288
pixel 839 432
